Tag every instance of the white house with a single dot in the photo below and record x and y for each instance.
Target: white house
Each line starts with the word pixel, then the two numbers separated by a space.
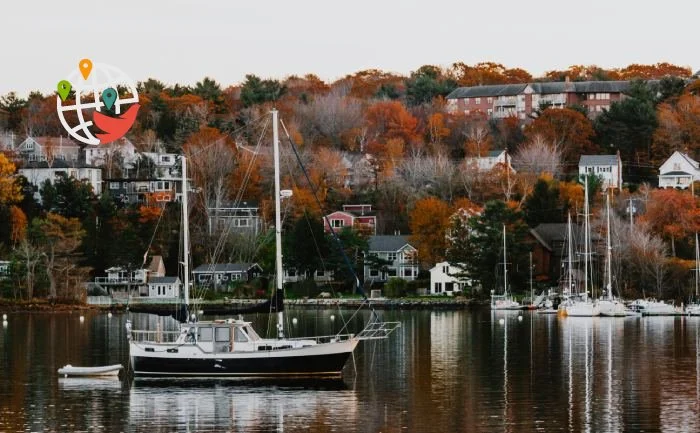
pixel 37 174
pixel 443 280
pixel 679 171
pixel 607 167
pixel 400 254
pixel 101 154
pixel 491 160
pixel 166 164
pixel 164 287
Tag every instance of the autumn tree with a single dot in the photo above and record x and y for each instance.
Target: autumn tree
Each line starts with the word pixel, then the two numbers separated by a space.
pixel 429 221
pixel 655 71
pixel 388 120
pixel 428 83
pixel 371 83
pixel 567 130
pixel 485 73
pixel 679 128
pixel 18 224
pixel 436 131
pixel 673 213
pixel 331 118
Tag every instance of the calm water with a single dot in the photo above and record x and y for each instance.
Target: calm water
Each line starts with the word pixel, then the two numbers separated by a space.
pixel 442 371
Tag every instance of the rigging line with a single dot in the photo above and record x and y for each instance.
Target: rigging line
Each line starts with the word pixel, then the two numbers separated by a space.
pixel 155 230
pixel 318 202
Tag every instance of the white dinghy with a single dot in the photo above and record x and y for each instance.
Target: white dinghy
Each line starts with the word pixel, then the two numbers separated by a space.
pixel 105 370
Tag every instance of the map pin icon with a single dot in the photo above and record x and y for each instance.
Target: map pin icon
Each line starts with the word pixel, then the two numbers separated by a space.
pixel 85 66
pixel 109 95
pixel 63 89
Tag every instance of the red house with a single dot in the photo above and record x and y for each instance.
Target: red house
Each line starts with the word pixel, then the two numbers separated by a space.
pixel 358 216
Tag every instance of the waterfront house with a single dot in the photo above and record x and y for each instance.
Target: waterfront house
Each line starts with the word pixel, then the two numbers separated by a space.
pixel 142 190
pixel 606 167
pixel 359 217
pixel 400 255
pixel 448 279
pixel 292 275
pixel 223 274
pixel 678 171
pixel 164 287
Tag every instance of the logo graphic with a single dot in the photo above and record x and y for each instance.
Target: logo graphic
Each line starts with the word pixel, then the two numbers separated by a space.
pixel 97 103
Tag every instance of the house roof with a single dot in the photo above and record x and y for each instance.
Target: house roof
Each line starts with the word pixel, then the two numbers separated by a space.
pixel 57 164
pixel 485 91
pixel 601 86
pixel 675 173
pixel 156 262
pixel 690 160
pixel 598 160
pixel 163 280
pixel 495 153
pixel 54 141
pixel 387 243
pixel 225 267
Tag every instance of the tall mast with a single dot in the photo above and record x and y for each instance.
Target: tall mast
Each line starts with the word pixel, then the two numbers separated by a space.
pixel 570 253
pixel 278 219
pixel 609 257
pixel 505 268
pixel 585 240
pixel 697 266
pixel 185 235
pixel 532 293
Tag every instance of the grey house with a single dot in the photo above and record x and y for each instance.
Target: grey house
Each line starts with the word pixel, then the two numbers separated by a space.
pixel 223 274
pixel 400 255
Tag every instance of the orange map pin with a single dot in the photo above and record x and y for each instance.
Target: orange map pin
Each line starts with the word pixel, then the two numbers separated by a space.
pixel 85 66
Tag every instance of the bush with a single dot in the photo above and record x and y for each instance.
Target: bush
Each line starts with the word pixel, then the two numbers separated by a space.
pixel 395 288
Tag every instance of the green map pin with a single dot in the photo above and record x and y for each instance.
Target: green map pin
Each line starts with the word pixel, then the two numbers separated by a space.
pixel 109 95
pixel 63 89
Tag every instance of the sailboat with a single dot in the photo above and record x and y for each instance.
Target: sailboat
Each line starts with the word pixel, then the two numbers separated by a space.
pixel 608 305
pixel 693 308
pixel 231 347
pixel 584 306
pixel 504 301
pixel 568 294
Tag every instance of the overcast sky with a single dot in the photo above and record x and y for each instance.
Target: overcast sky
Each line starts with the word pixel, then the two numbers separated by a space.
pixel 184 40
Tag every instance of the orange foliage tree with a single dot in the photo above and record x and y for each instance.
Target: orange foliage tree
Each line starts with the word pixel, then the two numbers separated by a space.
pixel 656 71
pixel 9 189
pixel 18 222
pixel 488 73
pixel 436 130
pixel 390 119
pixel 673 213
pixel 429 222
pixel 567 130
pixel 679 127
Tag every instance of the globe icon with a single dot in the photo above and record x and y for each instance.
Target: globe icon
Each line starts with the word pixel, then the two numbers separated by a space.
pixel 88 98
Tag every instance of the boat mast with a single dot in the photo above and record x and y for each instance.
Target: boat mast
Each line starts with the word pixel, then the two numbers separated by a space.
pixel 697 266
pixel 185 236
pixel 609 257
pixel 570 253
pixel 505 268
pixel 585 240
pixel 278 219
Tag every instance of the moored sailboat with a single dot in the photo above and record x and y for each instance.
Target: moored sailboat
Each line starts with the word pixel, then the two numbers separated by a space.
pixel 504 301
pixel 608 304
pixel 231 347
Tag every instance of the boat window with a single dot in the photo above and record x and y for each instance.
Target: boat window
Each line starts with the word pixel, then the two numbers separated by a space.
pixel 251 333
pixel 223 334
pixel 204 334
pixel 239 336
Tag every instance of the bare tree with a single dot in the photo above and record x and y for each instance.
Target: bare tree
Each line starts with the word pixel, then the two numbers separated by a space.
pixel 29 256
pixel 538 157
pixel 649 256
pixel 330 116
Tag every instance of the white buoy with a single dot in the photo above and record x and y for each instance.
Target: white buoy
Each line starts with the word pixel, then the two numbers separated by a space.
pixel 520 318
pixel 109 314
pixel 502 321
pixel 332 317
pixel 294 321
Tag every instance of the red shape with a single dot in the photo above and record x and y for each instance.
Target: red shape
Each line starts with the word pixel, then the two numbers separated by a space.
pixel 115 127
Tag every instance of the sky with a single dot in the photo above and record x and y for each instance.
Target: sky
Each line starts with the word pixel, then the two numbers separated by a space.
pixel 182 41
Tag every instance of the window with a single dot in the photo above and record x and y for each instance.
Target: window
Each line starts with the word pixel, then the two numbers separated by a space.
pixel 320 273
pixel 392 272
pixel 239 336
pixel 676 166
pixel 438 287
pixel 337 223
pixel 408 272
pixel 445 269
pixel 165 158
pixel 223 334
pixel 489 100
pixel 32 157
pixel 114 185
pixel 477 100
pixel 391 257
pixel 373 273
pixel 292 272
pixel 205 334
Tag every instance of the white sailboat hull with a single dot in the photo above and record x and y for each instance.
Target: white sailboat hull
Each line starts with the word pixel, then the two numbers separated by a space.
pixel 612 308
pixel 692 310
pixel 582 309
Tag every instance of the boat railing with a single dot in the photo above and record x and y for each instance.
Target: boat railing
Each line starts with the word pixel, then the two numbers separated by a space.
pixel 154 336
pixel 323 338
pixel 378 330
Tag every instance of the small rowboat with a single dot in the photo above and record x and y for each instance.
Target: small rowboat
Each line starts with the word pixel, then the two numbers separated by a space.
pixel 105 370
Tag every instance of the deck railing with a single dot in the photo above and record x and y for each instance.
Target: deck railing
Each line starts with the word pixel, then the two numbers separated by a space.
pixel 154 336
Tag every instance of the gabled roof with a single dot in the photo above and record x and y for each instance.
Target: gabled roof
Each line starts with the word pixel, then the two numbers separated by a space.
pixel 601 86
pixel 54 141
pixel 598 160
pixel 485 91
pixel 495 153
pixel 388 243
pixel 163 280
pixel 225 267
pixel 675 173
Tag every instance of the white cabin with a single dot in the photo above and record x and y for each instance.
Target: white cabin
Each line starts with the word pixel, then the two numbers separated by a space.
pixel 164 287
pixel 679 171
pixel 444 281
pixel 607 167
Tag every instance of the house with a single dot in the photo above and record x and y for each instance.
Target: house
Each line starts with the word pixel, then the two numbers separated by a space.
pixel 356 216
pixel 398 252
pixel 37 173
pixel 292 275
pixel 491 160
pixel 443 279
pixel 222 274
pixel 167 165
pixel 236 218
pixel 49 150
pixel 607 167
pixel 678 171
pixel 122 150
pixel 141 190
pixel 164 287
pixel 523 100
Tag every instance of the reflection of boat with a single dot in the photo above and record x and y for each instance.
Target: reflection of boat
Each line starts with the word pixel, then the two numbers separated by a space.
pixel 215 405
pixel 504 301
pixel 90 383
pixel 232 348
pixel 106 370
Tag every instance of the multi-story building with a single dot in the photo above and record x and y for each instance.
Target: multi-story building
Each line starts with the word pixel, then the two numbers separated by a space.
pixel 103 155
pixel 38 173
pixel 49 150
pixel 357 216
pixel 398 252
pixel 236 218
pixel 522 100
pixel 142 190
pixel 607 167
pixel 678 171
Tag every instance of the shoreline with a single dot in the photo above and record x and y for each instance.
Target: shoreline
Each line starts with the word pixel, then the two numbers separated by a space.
pixel 447 304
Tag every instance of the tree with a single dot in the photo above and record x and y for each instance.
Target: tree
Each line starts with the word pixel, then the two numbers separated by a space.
pixel 543 205
pixel 538 157
pixel 436 130
pixel 655 71
pixel 18 222
pixel 257 91
pixel 10 191
pixel 679 128
pixel 28 256
pixel 485 257
pixel 59 238
pixel 485 73
pixel 14 107
pixel 673 213
pixel 330 118
pixel 458 235
pixel 426 84
pixel 68 197
pixel 306 230
pixel 429 222
pixel 390 120
pixel 567 130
